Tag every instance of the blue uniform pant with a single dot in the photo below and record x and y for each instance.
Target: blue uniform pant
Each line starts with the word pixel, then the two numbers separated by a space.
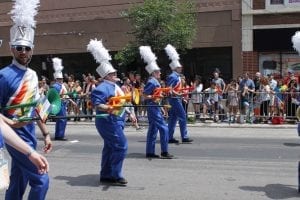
pixel 114 150
pixel 156 122
pixel 177 113
pixel 60 126
pixel 23 172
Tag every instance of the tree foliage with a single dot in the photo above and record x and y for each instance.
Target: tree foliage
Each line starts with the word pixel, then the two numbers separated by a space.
pixel 157 23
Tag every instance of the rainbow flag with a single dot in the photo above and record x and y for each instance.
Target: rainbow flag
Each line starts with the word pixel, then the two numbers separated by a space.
pixel 43 108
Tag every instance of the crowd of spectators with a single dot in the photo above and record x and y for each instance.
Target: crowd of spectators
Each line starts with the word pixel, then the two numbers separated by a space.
pixel 245 99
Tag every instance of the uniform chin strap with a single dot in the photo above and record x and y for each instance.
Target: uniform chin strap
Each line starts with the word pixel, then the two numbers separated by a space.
pixel 29 60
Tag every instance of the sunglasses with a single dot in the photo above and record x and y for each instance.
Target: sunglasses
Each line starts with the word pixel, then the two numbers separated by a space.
pixel 22 48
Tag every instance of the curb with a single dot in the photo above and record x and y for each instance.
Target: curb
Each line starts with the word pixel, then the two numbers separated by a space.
pixel 203 125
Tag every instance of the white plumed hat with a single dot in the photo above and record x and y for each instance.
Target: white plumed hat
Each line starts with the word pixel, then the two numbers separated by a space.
pixel 57 66
pixel 149 57
pixel 173 55
pixel 296 41
pixel 22 32
pixel 101 56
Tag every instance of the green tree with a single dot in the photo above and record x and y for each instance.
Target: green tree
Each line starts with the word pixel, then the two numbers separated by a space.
pixel 157 23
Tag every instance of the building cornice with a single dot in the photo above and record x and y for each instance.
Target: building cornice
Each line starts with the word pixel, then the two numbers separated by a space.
pixel 271 11
pixel 109 12
pixel 217 5
pixel 276 26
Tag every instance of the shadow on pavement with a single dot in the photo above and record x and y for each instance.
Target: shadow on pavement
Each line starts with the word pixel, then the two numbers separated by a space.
pixel 289 144
pixel 136 155
pixel 89 180
pixel 92 180
pixel 275 191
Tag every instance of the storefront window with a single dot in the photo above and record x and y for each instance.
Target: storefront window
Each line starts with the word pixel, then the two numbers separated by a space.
pixel 279 64
pixel 276 2
pixel 280 5
pixel 295 2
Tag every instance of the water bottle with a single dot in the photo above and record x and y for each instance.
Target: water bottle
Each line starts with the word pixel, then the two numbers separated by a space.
pixel 4 174
pixel 298 176
pixel 2 157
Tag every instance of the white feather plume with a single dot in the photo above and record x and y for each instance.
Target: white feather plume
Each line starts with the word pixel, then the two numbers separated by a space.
pixel 57 64
pixel 296 41
pixel 99 52
pixel 171 52
pixel 147 55
pixel 23 12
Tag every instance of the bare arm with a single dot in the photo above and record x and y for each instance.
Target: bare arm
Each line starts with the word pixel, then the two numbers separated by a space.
pixel 46 134
pixel 12 123
pixel 15 141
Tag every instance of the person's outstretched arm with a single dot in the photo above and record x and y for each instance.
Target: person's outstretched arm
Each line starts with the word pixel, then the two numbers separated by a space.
pixel 15 141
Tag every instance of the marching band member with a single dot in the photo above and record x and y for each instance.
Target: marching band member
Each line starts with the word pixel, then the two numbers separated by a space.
pixel 61 123
pixel 177 111
pixel 296 45
pixel 19 85
pixel 111 128
pixel 154 113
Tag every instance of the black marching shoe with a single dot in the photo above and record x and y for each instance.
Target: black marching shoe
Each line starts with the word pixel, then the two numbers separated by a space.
pixel 173 141
pixel 61 139
pixel 121 181
pixel 114 182
pixel 151 155
pixel 166 155
pixel 187 140
pixel 106 180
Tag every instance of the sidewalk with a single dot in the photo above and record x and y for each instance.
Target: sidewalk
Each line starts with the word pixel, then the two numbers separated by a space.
pixel 207 123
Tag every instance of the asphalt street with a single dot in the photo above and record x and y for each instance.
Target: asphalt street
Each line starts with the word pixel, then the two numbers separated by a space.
pixel 225 162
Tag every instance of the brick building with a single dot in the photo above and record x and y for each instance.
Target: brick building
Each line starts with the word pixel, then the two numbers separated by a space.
pixel 64 28
pixel 267 28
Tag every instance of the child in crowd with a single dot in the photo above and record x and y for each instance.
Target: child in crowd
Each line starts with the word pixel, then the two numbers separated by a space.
pixel 232 99
pixel 211 101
